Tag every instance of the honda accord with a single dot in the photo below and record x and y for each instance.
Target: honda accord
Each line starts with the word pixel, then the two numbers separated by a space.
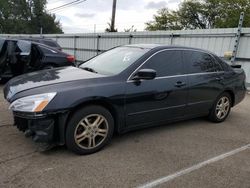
pixel 123 89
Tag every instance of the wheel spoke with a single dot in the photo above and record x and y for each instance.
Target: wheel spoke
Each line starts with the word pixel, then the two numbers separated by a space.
pixel 83 124
pixel 226 103
pixel 223 114
pixel 91 142
pixel 219 114
pixel 101 134
pixel 223 100
pixel 87 121
pixel 102 131
pixel 80 138
pixel 98 121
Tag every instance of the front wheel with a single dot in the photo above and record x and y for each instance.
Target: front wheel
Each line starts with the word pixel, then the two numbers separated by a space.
pixel 221 108
pixel 89 130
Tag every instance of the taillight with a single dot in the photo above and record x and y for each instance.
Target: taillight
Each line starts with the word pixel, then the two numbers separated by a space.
pixel 71 58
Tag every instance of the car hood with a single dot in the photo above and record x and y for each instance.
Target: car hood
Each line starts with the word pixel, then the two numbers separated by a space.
pixel 44 78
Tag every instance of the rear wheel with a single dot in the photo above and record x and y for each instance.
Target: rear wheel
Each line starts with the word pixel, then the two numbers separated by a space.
pixel 89 130
pixel 221 108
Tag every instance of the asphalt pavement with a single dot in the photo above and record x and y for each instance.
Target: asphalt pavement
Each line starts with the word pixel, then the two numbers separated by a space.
pixel 137 158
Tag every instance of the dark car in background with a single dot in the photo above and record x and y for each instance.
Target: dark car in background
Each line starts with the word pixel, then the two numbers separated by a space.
pixel 45 41
pixel 126 88
pixel 19 56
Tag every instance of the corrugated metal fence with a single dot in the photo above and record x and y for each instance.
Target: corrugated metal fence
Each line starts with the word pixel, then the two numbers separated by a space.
pixel 219 41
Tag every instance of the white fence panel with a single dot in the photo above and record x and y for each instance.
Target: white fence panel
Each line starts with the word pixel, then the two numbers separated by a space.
pixel 219 41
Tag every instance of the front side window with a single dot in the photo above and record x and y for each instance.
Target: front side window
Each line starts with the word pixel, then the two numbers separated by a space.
pixel 166 63
pixel 198 62
pixel 114 61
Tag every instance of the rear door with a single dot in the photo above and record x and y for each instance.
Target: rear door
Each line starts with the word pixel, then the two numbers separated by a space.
pixel 204 79
pixel 162 98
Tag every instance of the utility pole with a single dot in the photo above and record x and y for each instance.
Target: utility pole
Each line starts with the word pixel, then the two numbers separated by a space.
pixel 113 16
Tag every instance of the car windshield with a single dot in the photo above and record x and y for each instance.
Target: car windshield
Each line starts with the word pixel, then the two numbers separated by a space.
pixel 114 61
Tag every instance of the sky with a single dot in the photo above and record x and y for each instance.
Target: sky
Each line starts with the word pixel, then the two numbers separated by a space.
pixel 93 15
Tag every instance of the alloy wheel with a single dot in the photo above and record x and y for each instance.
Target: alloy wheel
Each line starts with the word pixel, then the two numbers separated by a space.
pixel 91 131
pixel 222 107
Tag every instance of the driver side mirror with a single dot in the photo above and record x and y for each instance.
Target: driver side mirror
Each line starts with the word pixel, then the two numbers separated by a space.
pixel 145 74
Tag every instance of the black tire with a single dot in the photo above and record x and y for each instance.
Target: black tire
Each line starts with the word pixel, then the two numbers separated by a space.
pixel 78 123
pixel 213 116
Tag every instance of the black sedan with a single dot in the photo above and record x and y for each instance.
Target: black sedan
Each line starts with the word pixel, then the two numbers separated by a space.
pixel 18 57
pixel 126 88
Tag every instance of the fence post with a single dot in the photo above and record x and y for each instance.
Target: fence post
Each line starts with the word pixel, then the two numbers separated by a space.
pixel 75 37
pixel 171 38
pixel 98 44
pixel 130 39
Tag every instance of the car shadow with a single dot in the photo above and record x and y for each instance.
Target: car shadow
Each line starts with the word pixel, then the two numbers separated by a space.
pixel 119 139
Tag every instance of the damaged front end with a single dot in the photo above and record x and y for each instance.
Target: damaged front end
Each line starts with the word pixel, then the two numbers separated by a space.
pixel 42 128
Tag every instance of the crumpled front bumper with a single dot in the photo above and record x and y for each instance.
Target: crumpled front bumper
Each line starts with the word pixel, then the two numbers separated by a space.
pixel 43 128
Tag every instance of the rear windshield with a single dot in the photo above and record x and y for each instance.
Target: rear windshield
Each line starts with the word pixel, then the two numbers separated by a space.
pixel 47 50
pixel 50 43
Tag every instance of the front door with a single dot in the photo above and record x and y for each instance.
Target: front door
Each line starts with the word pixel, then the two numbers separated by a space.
pixel 161 99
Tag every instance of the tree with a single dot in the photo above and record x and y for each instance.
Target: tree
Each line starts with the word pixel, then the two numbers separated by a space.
pixel 164 20
pixel 202 14
pixel 27 17
pixel 191 15
pixel 110 29
pixel 229 12
pixel 13 16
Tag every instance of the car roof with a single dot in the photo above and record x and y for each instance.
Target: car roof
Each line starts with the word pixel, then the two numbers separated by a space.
pixel 33 42
pixel 163 46
pixel 35 38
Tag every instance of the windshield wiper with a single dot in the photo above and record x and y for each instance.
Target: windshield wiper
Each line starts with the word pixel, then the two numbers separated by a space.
pixel 89 69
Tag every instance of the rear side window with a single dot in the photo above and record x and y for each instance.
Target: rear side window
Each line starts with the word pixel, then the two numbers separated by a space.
pixel 166 63
pixel 223 64
pixel 198 62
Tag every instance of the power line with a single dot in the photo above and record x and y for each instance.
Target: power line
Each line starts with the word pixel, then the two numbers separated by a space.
pixel 66 5
pixel 61 6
